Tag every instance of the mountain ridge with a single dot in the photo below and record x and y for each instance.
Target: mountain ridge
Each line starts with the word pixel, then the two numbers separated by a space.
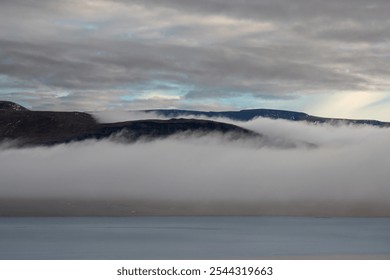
pixel 30 128
pixel 240 115
pixel 250 114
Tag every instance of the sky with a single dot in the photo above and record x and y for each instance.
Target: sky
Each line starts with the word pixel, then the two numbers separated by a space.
pixel 326 58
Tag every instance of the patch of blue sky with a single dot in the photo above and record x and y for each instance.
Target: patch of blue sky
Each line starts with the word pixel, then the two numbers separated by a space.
pixel 127 98
pixel 158 87
pixel 169 86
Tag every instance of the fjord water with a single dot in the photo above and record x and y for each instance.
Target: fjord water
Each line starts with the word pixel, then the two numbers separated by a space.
pixel 194 238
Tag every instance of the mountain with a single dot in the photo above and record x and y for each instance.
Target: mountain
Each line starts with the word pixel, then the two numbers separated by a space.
pixel 247 115
pixel 48 128
pixel 26 127
pixel 11 106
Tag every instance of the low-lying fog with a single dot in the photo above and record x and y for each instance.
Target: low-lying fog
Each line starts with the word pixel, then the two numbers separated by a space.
pixel 348 173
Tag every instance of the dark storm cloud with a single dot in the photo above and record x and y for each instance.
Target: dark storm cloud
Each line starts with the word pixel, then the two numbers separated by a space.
pixel 217 49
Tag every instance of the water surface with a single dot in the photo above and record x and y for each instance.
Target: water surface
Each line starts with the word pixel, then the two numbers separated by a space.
pixel 194 238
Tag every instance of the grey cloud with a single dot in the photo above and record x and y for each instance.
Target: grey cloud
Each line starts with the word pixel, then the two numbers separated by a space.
pixel 281 9
pixel 267 49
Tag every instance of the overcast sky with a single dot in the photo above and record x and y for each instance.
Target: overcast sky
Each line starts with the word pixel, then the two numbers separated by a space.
pixel 328 58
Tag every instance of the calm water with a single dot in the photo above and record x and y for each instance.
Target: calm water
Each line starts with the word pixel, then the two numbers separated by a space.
pixel 194 238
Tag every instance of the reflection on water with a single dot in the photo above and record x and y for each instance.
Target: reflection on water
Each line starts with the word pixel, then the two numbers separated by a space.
pixel 194 238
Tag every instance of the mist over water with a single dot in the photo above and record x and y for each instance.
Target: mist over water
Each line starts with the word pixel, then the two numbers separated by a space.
pixel 347 173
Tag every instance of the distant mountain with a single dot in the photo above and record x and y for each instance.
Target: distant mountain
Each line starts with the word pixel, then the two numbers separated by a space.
pixel 247 115
pixel 25 127
pixel 47 128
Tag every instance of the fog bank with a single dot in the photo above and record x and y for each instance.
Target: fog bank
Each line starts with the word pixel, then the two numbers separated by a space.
pixel 346 175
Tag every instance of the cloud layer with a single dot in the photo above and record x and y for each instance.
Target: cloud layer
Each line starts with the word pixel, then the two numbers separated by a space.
pixel 102 54
pixel 347 174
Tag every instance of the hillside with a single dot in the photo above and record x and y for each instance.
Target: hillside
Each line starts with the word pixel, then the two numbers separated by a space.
pixel 48 128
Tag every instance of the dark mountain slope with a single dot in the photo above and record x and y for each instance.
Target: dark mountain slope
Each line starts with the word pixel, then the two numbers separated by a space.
pixel 11 106
pixel 48 128
pixel 40 127
pixel 150 129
